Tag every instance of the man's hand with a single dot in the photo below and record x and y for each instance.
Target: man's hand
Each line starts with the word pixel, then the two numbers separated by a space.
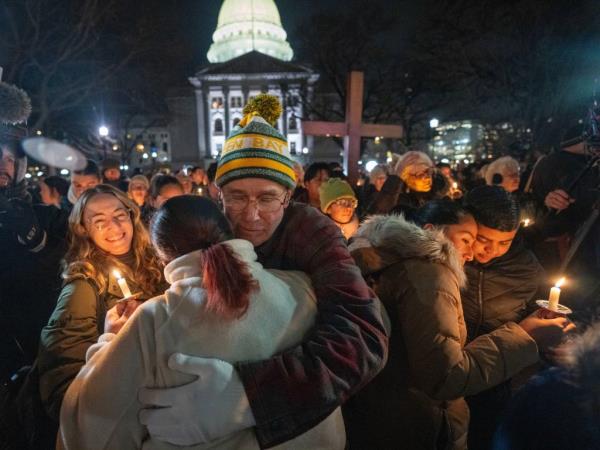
pixel 19 217
pixel 547 333
pixel 212 406
pixel 558 200
pixel 118 315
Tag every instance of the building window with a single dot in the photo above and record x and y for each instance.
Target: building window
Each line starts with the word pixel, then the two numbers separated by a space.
pixel 218 126
pixel 165 147
pixel 292 148
pixel 236 121
pixel 293 124
pixel 217 102
pixel 219 148
pixel 236 102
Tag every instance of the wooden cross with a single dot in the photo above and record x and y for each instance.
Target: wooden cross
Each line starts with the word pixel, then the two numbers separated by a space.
pixel 353 128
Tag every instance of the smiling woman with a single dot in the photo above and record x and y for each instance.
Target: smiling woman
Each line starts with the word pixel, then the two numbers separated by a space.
pixel 105 233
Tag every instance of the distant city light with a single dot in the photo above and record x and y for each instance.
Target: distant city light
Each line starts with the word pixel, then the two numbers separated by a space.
pixel 27 175
pixel 154 154
pixel 370 165
pixel 40 173
pixel 145 156
pixel 38 132
pixel 115 147
pixel 434 123
pixel 64 171
pixel 103 131
pixel 305 150
pixel 125 167
pixel 445 161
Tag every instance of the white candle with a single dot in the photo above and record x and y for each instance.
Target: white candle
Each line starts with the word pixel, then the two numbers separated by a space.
pixel 554 295
pixel 122 284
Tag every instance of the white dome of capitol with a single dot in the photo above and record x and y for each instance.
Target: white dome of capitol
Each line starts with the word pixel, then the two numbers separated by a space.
pixel 247 25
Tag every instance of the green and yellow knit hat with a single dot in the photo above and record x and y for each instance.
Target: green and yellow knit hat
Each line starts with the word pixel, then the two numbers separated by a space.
pixel 255 149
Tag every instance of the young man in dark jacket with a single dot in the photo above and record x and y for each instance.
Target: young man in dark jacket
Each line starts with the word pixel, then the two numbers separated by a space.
pixel 502 283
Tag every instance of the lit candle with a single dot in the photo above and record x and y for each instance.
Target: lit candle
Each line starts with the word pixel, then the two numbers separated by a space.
pixel 122 284
pixel 526 222
pixel 455 185
pixel 554 295
pixel 199 191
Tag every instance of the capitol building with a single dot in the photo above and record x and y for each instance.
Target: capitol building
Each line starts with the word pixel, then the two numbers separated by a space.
pixel 249 55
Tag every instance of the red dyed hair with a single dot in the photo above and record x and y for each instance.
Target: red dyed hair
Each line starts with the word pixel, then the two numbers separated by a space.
pixel 227 281
pixel 188 223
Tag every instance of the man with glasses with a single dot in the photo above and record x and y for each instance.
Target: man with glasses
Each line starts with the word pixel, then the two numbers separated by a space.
pixel 292 392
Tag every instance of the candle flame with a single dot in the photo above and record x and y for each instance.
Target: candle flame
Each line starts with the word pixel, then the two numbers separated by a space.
pixel 526 222
pixel 560 282
pixel 117 274
pixel 455 185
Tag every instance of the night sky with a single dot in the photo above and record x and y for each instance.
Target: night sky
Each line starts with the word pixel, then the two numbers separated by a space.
pixel 199 19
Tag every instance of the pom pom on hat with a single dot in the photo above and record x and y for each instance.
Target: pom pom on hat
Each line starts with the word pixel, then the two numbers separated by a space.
pixel 15 105
pixel 263 105
pixel 255 149
pixel 332 190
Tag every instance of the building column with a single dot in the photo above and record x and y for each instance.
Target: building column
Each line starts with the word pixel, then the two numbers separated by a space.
pixel 245 93
pixel 226 100
pixel 207 123
pixel 284 91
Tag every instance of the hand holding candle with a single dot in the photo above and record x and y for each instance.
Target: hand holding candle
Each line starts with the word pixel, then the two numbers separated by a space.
pixel 122 284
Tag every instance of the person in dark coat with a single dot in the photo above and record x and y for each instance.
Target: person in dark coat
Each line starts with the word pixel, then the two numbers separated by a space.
pixel 32 239
pixel 502 283
pixel 368 192
pixel 414 184
pixel 567 194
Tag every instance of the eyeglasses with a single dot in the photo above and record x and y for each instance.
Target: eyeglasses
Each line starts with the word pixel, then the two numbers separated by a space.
pixel 265 203
pixel 102 223
pixel 422 175
pixel 346 203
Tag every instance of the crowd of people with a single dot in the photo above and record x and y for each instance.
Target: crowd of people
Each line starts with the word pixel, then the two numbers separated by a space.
pixel 258 303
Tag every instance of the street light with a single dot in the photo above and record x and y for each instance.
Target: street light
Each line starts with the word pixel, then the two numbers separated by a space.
pixel 434 123
pixel 103 131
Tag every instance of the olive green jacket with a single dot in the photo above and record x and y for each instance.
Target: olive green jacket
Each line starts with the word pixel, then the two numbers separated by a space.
pixel 74 326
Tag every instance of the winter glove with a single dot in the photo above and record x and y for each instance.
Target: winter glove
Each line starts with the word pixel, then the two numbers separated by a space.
pixel 208 408
pixel 19 217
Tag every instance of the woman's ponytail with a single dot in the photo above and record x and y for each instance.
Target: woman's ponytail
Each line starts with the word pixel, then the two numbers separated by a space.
pixel 227 281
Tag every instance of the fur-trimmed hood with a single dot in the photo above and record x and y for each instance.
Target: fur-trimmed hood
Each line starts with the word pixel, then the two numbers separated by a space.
pixel 383 240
